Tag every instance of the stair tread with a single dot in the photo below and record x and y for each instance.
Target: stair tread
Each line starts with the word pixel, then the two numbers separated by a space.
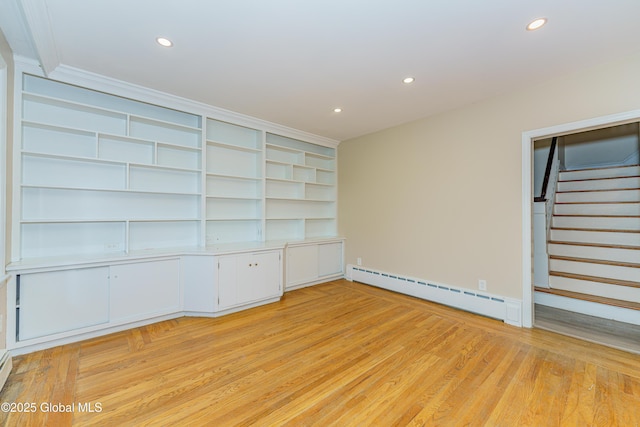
pixel 595 261
pixel 599 230
pixel 597 215
pixel 599 190
pixel 599 178
pixel 625 202
pixel 597 245
pixel 592 298
pixel 604 280
pixel 600 168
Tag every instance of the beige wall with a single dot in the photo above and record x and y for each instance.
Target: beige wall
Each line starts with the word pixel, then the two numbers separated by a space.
pixel 440 198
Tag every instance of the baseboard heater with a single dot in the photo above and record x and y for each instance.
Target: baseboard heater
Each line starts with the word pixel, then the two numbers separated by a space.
pixel 502 308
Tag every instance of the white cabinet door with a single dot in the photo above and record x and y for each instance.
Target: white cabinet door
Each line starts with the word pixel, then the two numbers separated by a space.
pixel 330 259
pixel 142 290
pixel 61 301
pixel 259 276
pixel 248 278
pixel 198 279
pixel 302 264
pixel 227 281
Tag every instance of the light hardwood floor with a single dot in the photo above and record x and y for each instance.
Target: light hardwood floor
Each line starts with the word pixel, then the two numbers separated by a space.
pixel 340 354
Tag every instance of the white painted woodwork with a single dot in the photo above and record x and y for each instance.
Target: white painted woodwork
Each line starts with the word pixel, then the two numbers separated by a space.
pixel 589 287
pixel 198 274
pixel 59 301
pixel 629 208
pixel 142 290
pixel 313 262
pixel 248 278
pixel 302 264
pixel 587 307
pixel 596 252
pixel 598 196
pixel 600 173
pixel 595 269
pixel 101 174
pixel 300 181
pixel 601 223
pixel 330 259
pixel 600 184
pixel 508 310
pixel 595 236
pixel 540 256
pixel 147 195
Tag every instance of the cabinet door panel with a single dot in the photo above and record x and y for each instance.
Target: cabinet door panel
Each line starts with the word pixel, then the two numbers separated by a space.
pixel 61 301
pixel 329 259
pixel 227 281
pixel 302 264
pixel 260 277
pixel 142 289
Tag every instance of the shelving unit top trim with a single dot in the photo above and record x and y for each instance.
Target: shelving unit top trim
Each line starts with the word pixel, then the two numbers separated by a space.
pixel 100 101
pixel 299 146
pixel 82 78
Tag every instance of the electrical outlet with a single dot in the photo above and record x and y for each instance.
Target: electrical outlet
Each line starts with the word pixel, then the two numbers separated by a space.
pixel 482 285
pixel 112 246
pixel 359 261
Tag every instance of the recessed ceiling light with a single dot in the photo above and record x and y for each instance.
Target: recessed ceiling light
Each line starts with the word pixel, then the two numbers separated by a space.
pixel 408 80
pixel 537 23
pixel 337 110
pixel 163 41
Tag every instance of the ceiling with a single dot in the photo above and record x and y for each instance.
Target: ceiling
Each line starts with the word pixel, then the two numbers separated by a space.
pixel 292 62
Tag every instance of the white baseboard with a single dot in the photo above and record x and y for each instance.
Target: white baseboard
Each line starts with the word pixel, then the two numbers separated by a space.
pixel 508 310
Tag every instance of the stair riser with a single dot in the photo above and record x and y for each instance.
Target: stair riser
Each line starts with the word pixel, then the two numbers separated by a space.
pixel 600 184
pixel 595 252
pixel 599 173
pixel 594 288
pixel 599 196
pixel 598 270
pixel 622 223
pixel 605 238
pixel 597 209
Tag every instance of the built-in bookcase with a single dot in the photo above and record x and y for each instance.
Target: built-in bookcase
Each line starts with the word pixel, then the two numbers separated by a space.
pixel 300 189
pixel 101 174
pixel 234 199
pixel 96 174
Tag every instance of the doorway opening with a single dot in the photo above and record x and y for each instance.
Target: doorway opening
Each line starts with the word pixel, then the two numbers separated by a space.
pixel 592 146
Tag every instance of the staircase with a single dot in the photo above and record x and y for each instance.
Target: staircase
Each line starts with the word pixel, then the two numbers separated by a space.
pixel 594 242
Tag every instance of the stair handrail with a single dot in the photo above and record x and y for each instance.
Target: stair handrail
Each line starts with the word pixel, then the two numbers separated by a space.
pixel 547 172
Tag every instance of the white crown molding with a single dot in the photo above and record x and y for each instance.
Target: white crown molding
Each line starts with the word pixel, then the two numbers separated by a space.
pixel 36 16
pixel 95 81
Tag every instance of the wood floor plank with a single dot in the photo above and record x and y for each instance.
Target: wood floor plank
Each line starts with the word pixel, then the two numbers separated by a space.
pixel 339 353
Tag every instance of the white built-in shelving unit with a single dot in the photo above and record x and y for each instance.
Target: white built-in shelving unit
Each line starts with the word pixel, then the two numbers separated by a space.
pixel 126 210
pixel 101 174
pixel 300 189
pixel 234 183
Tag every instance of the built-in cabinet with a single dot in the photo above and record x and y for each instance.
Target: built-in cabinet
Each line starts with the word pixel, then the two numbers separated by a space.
pixel 60 301
pixel 247 278
pixel 127 211
pixel 313 262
